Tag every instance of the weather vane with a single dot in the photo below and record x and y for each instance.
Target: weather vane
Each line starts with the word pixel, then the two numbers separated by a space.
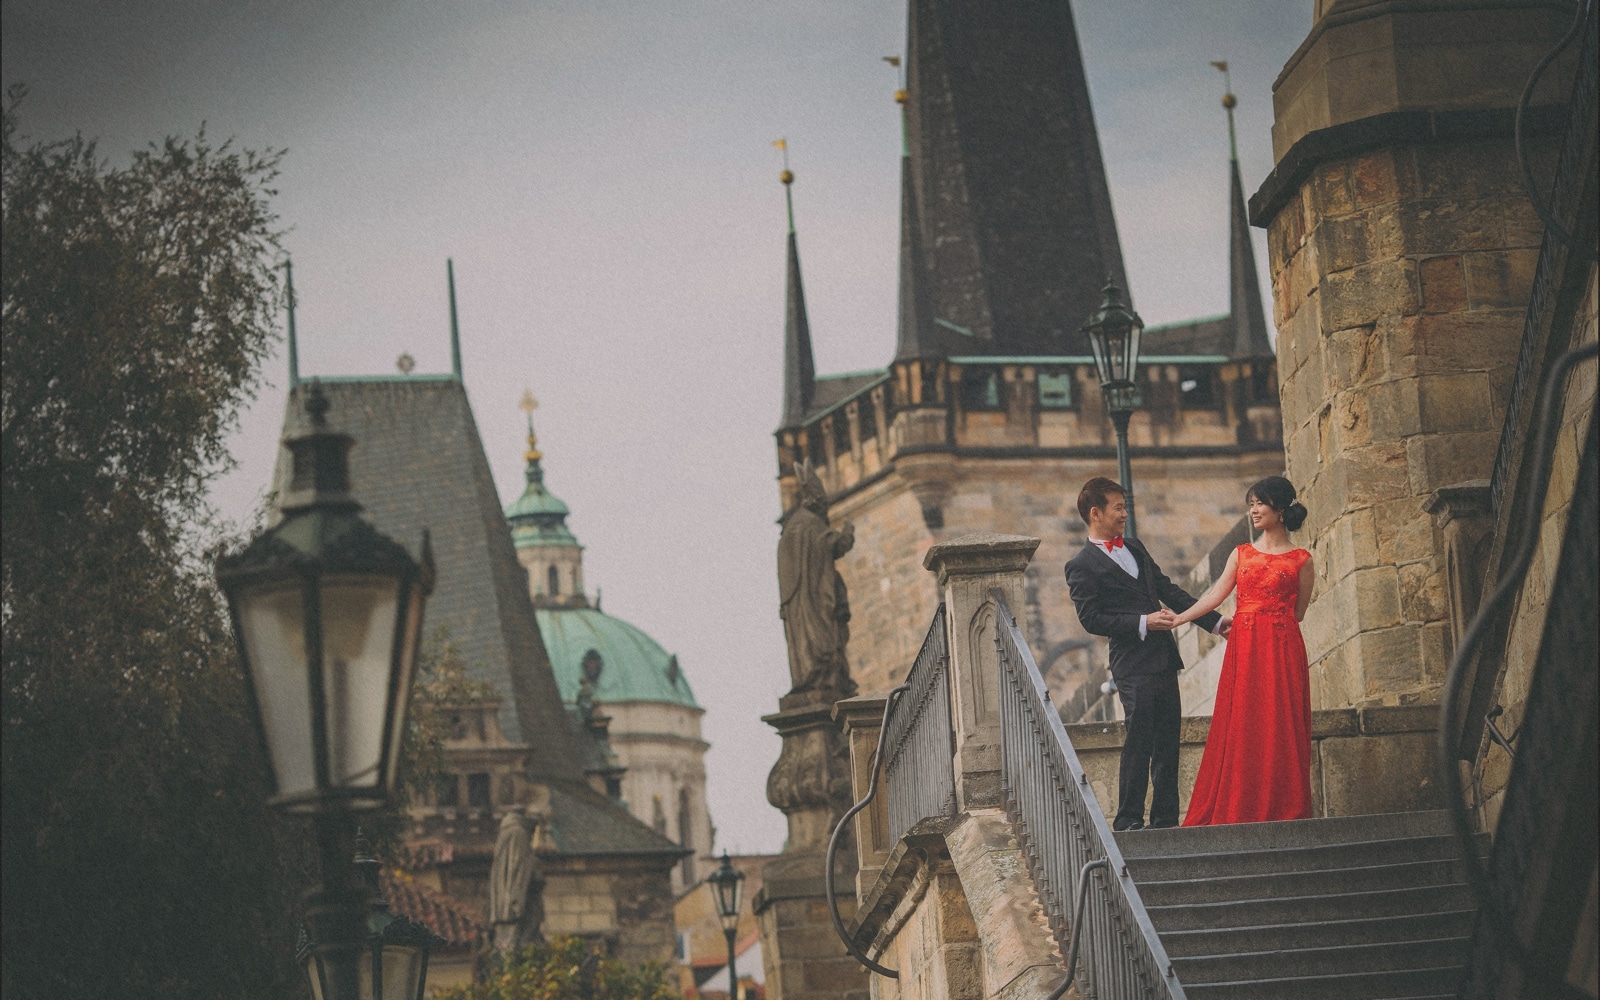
pixel 1228 101
pixel 527 405
pixel 899 77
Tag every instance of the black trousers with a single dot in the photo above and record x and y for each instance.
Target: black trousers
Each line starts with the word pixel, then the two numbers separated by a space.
pixel 1150 754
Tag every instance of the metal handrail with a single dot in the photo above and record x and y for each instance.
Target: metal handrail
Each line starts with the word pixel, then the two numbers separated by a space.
pixel 920 742
pixel 920 767
pixel 1063 833
pixel 1510 585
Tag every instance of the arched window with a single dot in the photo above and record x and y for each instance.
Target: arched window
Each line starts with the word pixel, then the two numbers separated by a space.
pixel 555 582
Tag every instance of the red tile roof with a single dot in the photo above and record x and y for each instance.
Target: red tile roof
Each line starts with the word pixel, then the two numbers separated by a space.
pixel 447 917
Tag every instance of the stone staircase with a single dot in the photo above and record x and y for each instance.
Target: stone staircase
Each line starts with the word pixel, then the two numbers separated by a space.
pixel 1354 907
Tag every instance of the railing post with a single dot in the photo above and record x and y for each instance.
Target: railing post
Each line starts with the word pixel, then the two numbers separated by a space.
pixel 968 568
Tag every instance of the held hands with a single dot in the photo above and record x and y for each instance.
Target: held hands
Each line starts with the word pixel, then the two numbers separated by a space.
pixel 1161 621
pixel 1226 626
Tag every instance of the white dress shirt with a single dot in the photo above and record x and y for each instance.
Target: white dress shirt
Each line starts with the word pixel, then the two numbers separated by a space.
pixel 1124 558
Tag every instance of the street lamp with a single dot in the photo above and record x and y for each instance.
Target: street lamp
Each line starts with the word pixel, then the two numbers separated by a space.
pixel 396 962
pixel 727 882
pixel 327 612
pixel 1113 332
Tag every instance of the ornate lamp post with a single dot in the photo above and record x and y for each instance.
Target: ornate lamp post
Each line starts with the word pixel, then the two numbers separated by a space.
pixel 727 882
pixel 1114 338
pixel 395 966
pixel 327 611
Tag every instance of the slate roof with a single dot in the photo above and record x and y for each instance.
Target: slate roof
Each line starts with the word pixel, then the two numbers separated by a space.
pixel 584 822
pixel 1006 179
pixel 1210 335
pixel 418 463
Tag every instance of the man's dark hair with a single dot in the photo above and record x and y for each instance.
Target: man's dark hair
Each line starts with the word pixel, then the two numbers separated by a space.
pixel 1097 492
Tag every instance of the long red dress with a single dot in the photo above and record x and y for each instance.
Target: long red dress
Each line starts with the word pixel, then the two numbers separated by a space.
pixel 1257 761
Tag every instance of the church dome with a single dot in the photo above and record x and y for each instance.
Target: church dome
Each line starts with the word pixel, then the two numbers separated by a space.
pixel 620 660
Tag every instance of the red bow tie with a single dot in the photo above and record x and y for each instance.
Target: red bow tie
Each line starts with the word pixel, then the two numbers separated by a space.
pixel 1115 543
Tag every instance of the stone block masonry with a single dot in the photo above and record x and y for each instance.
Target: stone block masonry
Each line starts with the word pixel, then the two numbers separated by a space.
pixel 1402 249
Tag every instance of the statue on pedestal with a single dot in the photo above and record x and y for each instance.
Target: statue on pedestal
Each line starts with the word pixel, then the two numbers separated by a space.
pixel 814 604
pixel 516 888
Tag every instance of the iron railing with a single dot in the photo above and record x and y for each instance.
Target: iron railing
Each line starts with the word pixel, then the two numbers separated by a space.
pixel 918 740
pixel 1064 836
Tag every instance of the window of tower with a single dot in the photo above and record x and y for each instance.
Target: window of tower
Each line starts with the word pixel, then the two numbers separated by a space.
pixel 980 388
pixel 1197 385
pixel 1055 389
pixel 477 791
pixel 554 580
pixel 841 433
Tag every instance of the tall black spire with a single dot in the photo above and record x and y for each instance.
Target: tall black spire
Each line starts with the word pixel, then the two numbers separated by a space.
pixel 1016 227
pixel 1250 339
pixel 799 370
pixel 917 336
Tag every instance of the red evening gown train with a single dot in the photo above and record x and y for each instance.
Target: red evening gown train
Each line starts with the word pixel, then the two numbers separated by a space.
pixel 1257 761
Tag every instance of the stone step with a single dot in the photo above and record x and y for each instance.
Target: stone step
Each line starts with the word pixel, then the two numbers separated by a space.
pixel 1361 930
pixel 1328 961
pixel 1296 859
pixel 1284 885
pixel 1309 909
pixel 1236 837
pixel 1383 985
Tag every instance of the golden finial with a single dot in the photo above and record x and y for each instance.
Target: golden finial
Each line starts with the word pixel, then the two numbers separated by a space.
pixel 900 91
pixel 528 405
pixel 1229 102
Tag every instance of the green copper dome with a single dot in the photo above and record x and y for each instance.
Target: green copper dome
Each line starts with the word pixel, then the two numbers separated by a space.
pixel 538 517
pixel 621 661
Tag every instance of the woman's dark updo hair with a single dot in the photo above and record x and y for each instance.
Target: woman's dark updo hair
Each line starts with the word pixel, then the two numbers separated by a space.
pixel 1278 493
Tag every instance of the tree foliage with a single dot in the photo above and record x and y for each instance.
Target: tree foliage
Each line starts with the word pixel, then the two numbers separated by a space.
pixel 565 969
pixel 139 856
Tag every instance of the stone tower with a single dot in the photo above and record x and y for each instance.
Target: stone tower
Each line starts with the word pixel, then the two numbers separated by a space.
pixel 1402 249
pixel 989 417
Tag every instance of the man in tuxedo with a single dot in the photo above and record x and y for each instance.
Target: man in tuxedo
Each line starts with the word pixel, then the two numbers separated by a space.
pixel 1118 591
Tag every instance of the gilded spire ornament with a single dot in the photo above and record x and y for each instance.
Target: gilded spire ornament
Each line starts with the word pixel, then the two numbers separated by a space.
pixel 527 405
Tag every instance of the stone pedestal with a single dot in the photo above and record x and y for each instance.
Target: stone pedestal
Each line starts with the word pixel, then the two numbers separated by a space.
pixel 969 568
pixel 803 957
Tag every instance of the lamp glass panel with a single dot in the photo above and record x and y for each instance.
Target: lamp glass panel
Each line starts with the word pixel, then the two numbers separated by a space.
pixel 408 672
pixel 358 617
pixel 1102 367
pixel 1117 349
pixel 314 973
pixel 273 621
pixel 402 971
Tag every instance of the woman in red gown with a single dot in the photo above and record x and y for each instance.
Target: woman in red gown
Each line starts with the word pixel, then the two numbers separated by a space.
pixel 1257 761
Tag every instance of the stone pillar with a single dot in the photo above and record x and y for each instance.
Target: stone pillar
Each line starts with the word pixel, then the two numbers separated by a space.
pixel 1402 249
pixel 968 568
pixel 862 719
pixel 803 957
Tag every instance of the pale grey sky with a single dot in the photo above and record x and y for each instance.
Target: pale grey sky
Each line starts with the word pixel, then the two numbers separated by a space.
pixel 603 176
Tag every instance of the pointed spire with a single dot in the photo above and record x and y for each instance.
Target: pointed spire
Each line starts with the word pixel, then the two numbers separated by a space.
pixel 799 369
pixel 1250 337
pixel 534 472
pixel 294 344
pixel 1016 232
pixel 916 335
pixel 455 326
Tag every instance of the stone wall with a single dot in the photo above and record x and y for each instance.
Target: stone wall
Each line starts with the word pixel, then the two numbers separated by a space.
pixel 1402 249
pixel 1184 505
pixel 1363 761
pixel 1493 768
pixel 624 905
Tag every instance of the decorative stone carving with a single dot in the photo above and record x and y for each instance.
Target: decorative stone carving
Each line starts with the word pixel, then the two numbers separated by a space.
pixel 815 606
pixel 1465 517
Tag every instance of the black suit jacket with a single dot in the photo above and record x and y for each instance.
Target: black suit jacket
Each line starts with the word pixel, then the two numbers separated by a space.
pixel 1109 603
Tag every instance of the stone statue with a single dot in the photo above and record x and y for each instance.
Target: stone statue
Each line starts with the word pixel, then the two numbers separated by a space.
pixel 814 605
pixel 515 888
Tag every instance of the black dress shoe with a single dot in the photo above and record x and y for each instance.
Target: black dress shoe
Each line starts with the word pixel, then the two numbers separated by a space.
pixel 1127 826
pixel 1164 826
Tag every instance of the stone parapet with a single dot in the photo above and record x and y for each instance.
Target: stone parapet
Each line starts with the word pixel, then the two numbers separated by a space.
pixel 1363 761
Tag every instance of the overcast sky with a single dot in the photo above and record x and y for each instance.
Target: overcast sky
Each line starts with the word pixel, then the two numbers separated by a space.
pixel 603 175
